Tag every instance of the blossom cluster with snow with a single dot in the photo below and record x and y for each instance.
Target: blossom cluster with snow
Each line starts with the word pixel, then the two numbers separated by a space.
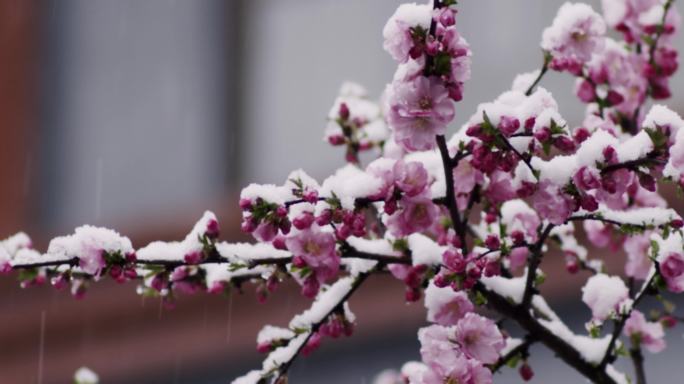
pixel 463 222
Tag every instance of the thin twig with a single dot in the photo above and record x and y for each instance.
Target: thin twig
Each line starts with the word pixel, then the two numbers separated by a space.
pixel 284 367
pixel 620 323
pixel 542 72
pixel 523 347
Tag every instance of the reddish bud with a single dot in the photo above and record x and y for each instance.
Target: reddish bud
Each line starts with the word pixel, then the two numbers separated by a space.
pixel 344 111
pixel 526 372
pixel 245 204
pixel 492 242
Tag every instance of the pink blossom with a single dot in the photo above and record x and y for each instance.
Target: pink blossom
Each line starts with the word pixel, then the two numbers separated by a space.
pixel 649 334
pixel 411 177
pixel 465 179
pixel 91 260
pixel 416 214
pixel 575 34
pixel 383 170
pixel 317 249
pixel 479 338
pixel 631 17
pixel 479 374
pixel 613 189
pixel 419 110
pixel 551 203
pixel 644 198
pixel 398 30
pixel 598 233
pixel 445 306
pixel 500 187
pixel 265 231
pixel 585 91
pixel 622 70
pixel 638 264
pixel 446 363
pixel 587 178
pixel 437 349
pixel 518 257
pixel 672 270
pixel 459 50
pixel 455 371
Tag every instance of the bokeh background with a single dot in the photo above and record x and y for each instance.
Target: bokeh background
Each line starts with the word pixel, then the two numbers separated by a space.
pixel 139 115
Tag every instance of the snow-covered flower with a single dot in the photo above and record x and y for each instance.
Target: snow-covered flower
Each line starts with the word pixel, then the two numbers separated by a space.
pixel 419 110
pixel 400 30
pixel 446 306
pixel 604 294
pixel 90 244
pixel 551 203
pixel 575 34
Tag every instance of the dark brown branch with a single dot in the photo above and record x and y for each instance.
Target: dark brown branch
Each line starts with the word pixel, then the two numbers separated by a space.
pixel 71 262
pixel 632 164
pixel 638 362
pixel 560 347
pixel 282 370
pixel 216 258
pixel 517 153
pixel 610 221
pixel 542 72
pixel 448 165
pixel 534 260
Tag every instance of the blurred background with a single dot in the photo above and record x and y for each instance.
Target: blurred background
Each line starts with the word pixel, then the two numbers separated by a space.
pixel 139 115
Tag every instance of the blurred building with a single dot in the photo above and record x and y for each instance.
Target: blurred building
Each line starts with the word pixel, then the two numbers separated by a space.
pixel 139 115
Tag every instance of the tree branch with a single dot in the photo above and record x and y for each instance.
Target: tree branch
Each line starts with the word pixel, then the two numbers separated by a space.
pixel 632 164
pixel 620 324
pixel 560 347
pixel 284 367
pixel 517 153
pixel 448 165
pixel 533 263
pixel 503 360
pixel 542 72
pixel 610 221
pixel 638 362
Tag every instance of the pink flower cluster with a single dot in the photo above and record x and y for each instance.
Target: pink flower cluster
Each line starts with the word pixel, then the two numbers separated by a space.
pixel 459 353
pixel 462 272
pixel 616 75
pixel 315 256
pixel 431 75
pixel 406 196
pixel 355 122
